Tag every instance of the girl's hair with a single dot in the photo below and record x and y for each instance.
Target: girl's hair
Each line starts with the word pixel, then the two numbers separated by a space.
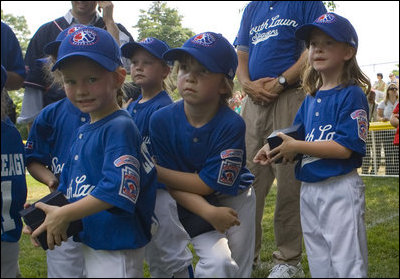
pixel 224 100
pixel 351 75
pixel 390 86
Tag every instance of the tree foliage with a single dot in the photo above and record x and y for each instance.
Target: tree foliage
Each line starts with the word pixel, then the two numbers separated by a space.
pixel 162 23
pixel 20 27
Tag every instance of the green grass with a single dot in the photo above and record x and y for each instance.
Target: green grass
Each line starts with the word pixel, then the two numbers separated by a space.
pixel 382 220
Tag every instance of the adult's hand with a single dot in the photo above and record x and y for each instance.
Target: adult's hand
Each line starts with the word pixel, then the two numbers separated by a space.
pixel 260 90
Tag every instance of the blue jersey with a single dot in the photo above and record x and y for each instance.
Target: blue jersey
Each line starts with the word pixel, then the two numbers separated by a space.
pixel 108 161
pixel 215 151
pixel 11 54
pixel 13 183
pixel 267 31
pixel 52 133
pixel 341 115
pixel 141 113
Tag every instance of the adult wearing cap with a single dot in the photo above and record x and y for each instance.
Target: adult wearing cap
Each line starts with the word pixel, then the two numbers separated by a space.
pixel 270 62
pixel 37 95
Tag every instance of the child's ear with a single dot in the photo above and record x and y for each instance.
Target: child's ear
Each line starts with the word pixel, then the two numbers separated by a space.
pixel 350 52
pixel 120 75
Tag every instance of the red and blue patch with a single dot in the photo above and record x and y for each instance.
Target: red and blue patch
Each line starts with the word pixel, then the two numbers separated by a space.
pixel 362 123
pixel 126 160
pixel 130 184
pixel 326 18
pixel 84 37
pixel 204 39
pixel 228 172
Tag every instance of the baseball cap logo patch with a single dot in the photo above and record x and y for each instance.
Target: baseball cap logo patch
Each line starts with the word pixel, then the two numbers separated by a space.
pixel 84 38
pixel 147 41
pixel 326 18
pixel 204 39
pixel 73 29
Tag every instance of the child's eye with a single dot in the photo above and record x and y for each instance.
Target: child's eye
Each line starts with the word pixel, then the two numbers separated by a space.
pixel 92 80
pixel 69 81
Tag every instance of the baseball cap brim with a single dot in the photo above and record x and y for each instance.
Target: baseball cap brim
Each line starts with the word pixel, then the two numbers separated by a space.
pixel 206 61
pixel 105 62
pixel 304 32
pixel 128 49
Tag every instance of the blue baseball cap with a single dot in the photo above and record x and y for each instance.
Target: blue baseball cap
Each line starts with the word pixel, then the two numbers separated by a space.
pixel 91 42
pixel 211 50
pixel 52 47
pixel 155 46
pixel 334 25
pixel 3 77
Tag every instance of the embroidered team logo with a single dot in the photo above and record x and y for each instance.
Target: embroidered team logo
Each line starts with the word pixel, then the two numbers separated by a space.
pixel 126 160
pixel 84 37
pixel 147 41
pixel 130 184
pixel 228 172
pixel 204 39
pixel 362 123
pixel 326 18
pixel 74 28
pixel 29 145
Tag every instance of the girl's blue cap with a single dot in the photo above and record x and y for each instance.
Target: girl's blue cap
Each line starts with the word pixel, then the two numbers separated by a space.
pixel 211 50
pixel 52 47
pixel 155 46
pixel 334 25
pixel 91 42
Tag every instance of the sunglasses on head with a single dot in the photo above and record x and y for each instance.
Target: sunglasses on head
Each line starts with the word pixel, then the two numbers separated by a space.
pixel 393 88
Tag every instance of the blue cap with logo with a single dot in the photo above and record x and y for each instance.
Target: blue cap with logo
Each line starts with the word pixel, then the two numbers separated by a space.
pixel 52 47
pixel 334 25
pixel 91 42
pixel 211 50
pixel 155 46
pixel 3 77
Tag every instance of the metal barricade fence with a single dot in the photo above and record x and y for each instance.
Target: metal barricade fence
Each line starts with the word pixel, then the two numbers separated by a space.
pixel 382 157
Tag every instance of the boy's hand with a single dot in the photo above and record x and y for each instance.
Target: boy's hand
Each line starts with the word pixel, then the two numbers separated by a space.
pixel 261 156
pixel 222 218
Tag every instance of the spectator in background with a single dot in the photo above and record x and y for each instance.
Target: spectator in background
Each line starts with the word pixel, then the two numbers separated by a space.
pixel 393 79
pixel 385 109
pixel 379 87
pixel 12 60
pixel 37 95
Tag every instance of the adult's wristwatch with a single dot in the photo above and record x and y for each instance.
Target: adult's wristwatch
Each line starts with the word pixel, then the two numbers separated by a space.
pixel 282 81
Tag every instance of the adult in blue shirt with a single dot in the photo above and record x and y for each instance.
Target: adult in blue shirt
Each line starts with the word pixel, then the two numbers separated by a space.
pixel 270 63
pixel 13 62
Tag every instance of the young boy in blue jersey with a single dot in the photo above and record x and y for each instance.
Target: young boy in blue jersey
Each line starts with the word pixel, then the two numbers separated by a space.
pixel 13 188
pixel 334 120
pixel 167 254
pixel 107 179
pixel 200 151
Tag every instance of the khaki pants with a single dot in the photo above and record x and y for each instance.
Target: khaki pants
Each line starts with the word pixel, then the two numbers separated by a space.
pixel 261 121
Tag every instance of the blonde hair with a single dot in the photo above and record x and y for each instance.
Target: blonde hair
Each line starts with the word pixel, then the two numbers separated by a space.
pixel 351 75
pixel 224 100
pixel 391 85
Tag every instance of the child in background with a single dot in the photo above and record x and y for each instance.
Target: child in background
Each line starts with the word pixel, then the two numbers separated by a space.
pixel 108 178
pixel 13 188
pixel 167 254
pixel 47 149
pixel 334 119
pixel 200 151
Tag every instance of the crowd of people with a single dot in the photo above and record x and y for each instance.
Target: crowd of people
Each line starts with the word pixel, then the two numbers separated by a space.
pixel 147 175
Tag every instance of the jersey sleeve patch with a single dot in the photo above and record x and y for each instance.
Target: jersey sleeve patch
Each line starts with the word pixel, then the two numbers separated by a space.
pixel 362 123
pixel 229 153
pixel 228 172
pixel 126 160
pixel 130 184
